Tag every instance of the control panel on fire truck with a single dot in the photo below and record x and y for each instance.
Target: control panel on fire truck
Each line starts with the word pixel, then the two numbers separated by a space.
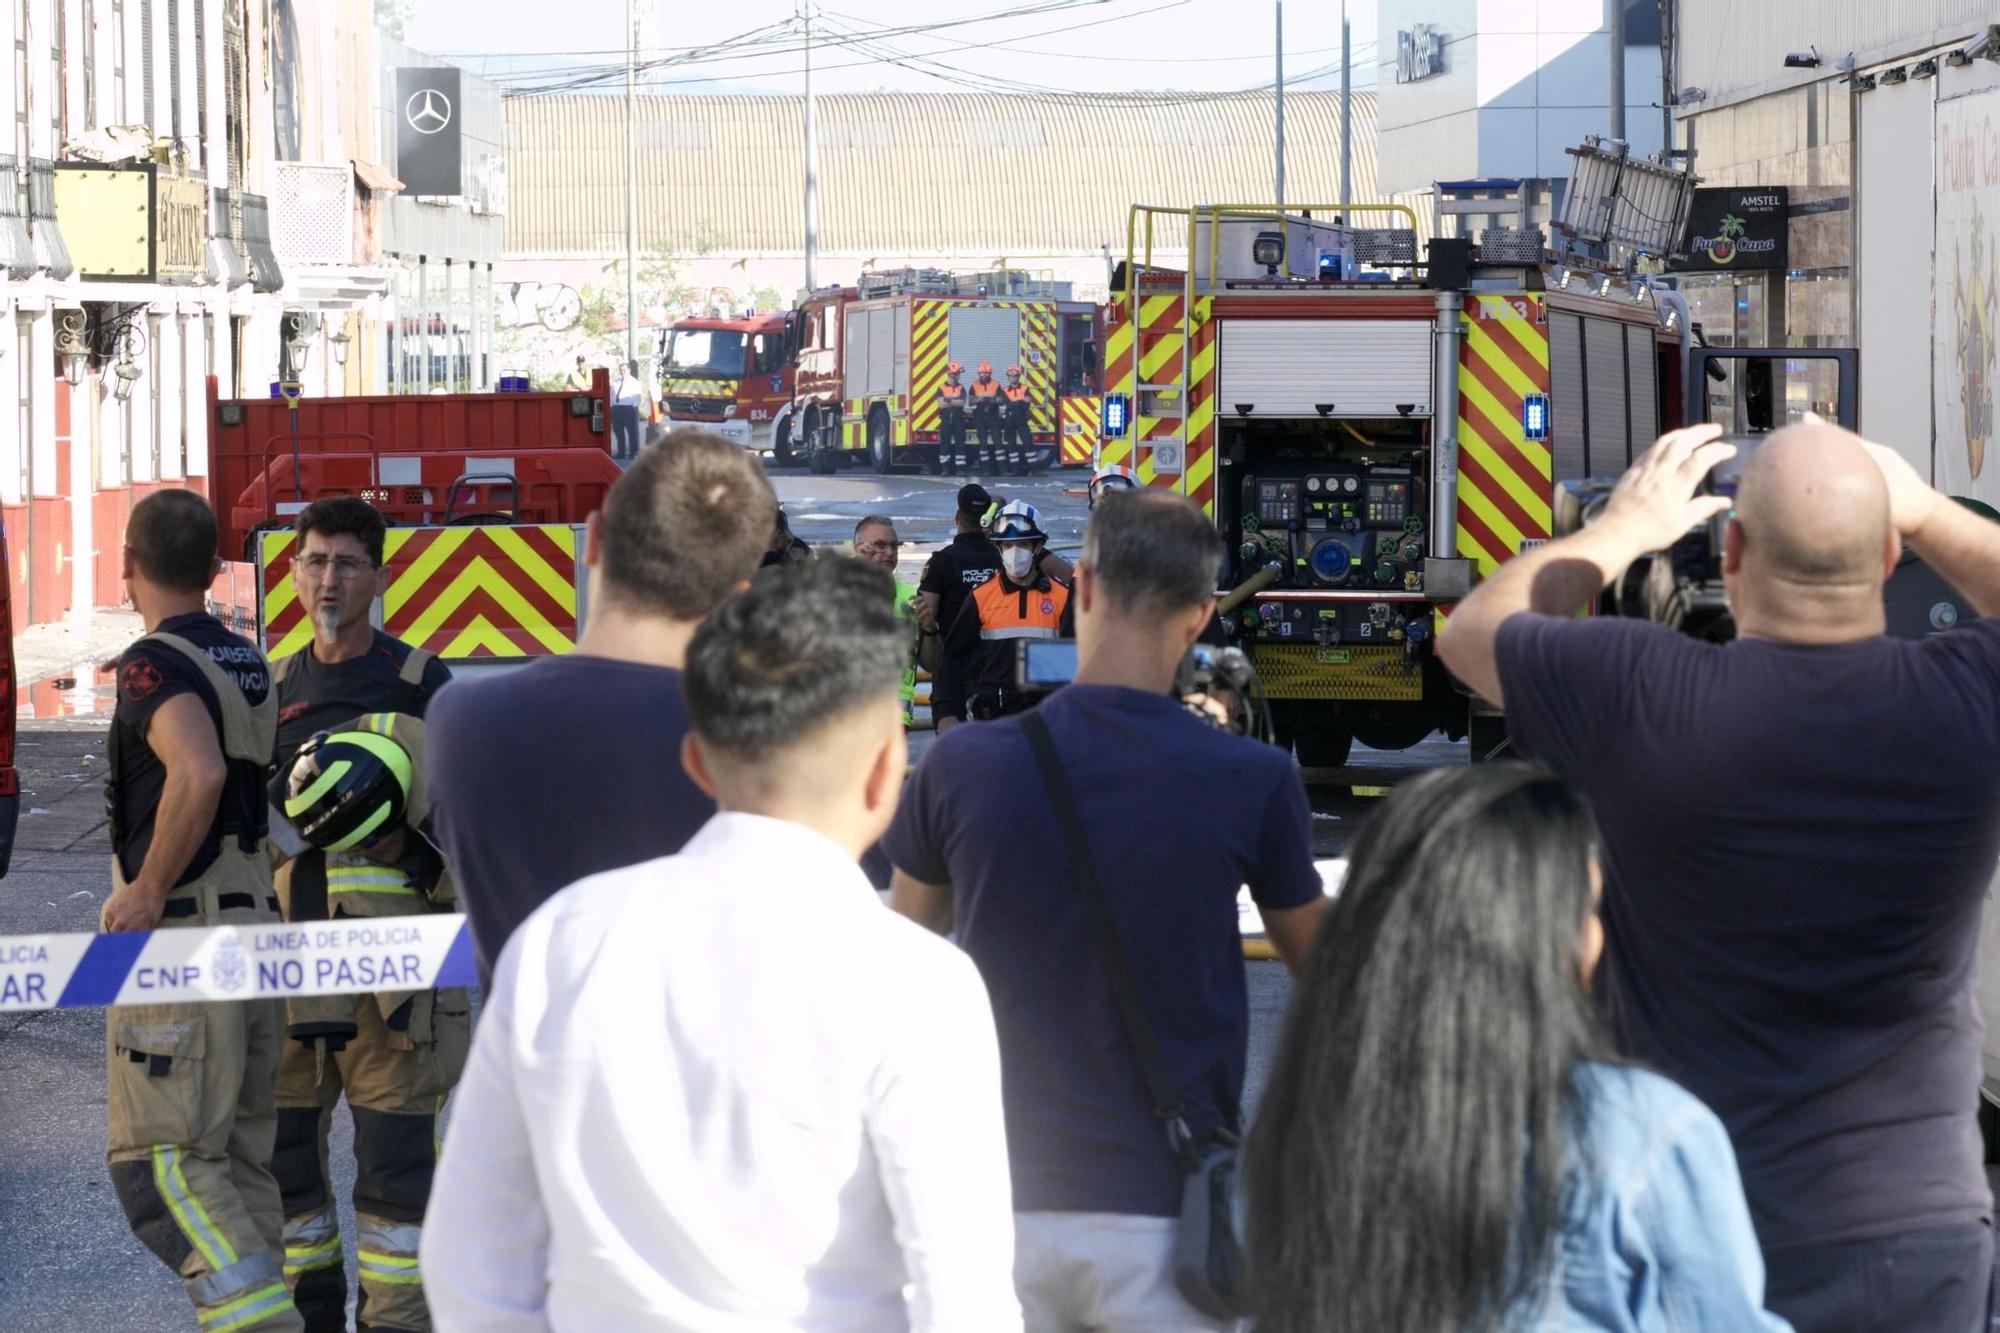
pixel 1332 525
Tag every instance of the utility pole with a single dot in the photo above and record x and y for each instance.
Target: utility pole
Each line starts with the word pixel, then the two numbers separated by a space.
pixel 1346 116
pixel 631 182
pixel 812 157
pixel 1278 181
pixel 1615 21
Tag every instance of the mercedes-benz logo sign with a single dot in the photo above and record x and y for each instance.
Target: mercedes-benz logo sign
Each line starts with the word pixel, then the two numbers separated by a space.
pixel 427 111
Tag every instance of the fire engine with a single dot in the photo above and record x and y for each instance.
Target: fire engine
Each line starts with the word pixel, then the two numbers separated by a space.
pixel 1371 433
pixel 485 494
pixel 734 377
pixel 871 358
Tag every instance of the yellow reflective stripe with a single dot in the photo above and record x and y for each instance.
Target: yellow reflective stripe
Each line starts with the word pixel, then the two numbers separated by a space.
pixel 299 1258
pixel 392 1268
pixel 187 1209
pixel 250 1309
pixel 387 1260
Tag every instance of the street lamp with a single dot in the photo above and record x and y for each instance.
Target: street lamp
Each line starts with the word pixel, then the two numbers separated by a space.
pixel 124 374
pixel 337 343
pixel 73 366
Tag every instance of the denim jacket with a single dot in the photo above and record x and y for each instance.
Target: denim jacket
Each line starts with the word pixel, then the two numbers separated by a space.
pixel 1656 1237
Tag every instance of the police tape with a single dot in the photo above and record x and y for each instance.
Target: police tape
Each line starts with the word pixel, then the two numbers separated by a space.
pixel 352 956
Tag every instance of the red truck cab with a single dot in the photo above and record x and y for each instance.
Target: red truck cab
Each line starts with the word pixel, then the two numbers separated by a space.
pixel 732 376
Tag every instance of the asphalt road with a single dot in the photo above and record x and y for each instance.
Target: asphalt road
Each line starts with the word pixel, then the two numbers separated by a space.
pixel 69 1261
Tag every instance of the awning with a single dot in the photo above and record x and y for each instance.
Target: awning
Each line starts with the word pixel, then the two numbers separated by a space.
pixel 375 176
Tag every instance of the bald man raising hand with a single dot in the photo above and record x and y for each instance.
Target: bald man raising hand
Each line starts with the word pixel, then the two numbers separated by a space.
pixel 1799 829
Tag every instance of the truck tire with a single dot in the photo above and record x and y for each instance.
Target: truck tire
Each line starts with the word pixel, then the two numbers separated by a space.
pixel 881 451
pixel 1324 748
pixel 819 457
pixel 781 443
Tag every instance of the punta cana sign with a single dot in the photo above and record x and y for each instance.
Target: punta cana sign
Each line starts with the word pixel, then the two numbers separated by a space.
pixel 1735 228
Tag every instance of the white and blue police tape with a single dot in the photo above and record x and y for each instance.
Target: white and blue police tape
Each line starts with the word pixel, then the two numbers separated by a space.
pixel 352 956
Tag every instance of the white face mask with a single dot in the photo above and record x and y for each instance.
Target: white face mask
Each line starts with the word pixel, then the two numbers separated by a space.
pixel 1017 561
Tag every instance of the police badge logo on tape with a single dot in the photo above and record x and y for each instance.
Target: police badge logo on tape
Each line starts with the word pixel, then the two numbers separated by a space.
pixel 228 966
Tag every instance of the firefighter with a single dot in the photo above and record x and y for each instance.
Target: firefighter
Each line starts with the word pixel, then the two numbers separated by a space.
pixel 1022 601
pixel 1014 433
pixel 189 1108
pixel 986 418
pixel 951 421
pixel 355 798
pixel 392 1077
pixel 1117 477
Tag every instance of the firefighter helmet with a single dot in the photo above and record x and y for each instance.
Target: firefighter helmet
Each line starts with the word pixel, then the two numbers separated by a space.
pixel 1017 521
pixel 986 367
pixel 953 368
pixel 345 789
pixel 1117 477
pixel 1014 372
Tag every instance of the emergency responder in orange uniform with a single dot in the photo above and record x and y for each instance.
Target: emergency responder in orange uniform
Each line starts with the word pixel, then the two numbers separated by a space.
pixel 351 669
pixel 986 419
pixel 1109 480
pixel 189 1086
pixel 355 798
pixel 951 421
pixel 1015 434
pixel 1022 601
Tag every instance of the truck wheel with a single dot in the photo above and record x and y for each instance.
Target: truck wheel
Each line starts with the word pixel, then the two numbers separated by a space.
pixel 819 458
pixel 781 444
pixel 1392 736
pixel 1324 748
pixel 880 450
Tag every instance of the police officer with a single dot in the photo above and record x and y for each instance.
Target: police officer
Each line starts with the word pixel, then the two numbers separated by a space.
pixel 1023 601
pixel 951 421
pixel 189 1086
pixel 395 1055
pixel 948 580
pixel 1015 406
pixel 986 419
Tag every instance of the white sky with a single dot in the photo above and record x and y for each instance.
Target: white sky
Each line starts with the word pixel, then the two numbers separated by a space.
pixel 1109 45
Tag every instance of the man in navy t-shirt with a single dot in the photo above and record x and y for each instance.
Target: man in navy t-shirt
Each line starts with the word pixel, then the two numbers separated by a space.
pixel 1179 816
pixel 572 765
pixel 1799 830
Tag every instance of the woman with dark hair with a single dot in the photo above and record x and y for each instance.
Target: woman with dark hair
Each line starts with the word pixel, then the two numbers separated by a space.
pixel 1444 1145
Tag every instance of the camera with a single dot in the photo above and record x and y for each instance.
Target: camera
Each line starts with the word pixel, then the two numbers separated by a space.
pixel 1218 683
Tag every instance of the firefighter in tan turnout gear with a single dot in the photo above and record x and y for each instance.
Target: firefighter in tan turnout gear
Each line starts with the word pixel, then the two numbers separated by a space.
pixel 353 697
pixel 189 1086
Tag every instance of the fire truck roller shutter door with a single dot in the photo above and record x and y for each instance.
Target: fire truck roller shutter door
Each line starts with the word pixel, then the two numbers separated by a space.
pixel 1642 365
pixel 1364 367
pixel 984 333
pixel 1566 396
pixel 1604 376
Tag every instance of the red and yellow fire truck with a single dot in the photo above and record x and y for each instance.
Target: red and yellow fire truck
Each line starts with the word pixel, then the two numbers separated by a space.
pixel 485 493
pixel 734 377
pixel 1371 433
pixel 871 358
pixel 1080 363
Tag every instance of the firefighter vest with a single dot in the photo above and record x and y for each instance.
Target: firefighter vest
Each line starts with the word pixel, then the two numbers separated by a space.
pixel 236 887
pixel 1015 394
pixel 986 391
pixel 951 397
pixel 1007 611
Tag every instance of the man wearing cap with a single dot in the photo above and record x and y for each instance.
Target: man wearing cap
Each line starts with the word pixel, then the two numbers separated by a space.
pixel 948 581
pixel 395 1054
pixel 1023 601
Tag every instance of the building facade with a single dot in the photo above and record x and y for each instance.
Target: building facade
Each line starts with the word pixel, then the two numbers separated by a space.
pixel 1880 122
pixel 1486 89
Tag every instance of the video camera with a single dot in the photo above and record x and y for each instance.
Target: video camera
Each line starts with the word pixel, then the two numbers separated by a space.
pixel 1218 684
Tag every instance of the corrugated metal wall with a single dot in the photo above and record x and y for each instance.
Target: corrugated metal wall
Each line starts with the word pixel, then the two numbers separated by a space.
pixel 906 174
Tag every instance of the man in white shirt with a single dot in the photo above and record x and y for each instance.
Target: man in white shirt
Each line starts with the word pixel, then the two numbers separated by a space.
pixel 727 1090
pixel 629 397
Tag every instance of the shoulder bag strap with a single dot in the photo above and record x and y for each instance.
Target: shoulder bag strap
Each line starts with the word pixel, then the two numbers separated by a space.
pixel 1166 1101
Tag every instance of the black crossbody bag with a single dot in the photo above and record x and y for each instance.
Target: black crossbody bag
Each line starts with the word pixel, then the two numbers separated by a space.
pixel 1208 1255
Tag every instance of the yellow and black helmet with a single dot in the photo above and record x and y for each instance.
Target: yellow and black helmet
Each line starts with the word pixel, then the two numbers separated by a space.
pixel 345 789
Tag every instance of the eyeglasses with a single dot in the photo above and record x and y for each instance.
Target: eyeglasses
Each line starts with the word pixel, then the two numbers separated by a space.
pixel 877 546
pixel 346 566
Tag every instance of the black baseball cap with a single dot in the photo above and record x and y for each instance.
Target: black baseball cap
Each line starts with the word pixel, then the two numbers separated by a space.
pixel 973 500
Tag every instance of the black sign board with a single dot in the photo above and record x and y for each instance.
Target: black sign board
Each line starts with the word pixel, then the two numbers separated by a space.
pixel 1736 227
pixel 428 131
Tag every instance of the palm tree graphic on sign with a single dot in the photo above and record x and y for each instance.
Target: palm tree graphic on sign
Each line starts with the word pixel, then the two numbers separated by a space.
pixel 1723 248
